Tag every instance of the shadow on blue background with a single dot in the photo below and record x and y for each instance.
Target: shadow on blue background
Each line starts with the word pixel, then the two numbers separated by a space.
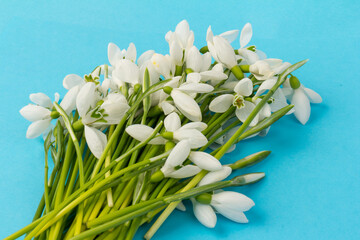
pixel 312 188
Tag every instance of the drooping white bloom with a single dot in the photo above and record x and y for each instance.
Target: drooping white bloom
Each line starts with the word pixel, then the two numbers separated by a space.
pixel 183 36
pixel 164 65
pixel 301 99
pixel 190 132
pixel 180 153
pixel 216 176
pixel 231 205
pixel 265 69
pixel 222 103
pixel 220 49
pixel 115 54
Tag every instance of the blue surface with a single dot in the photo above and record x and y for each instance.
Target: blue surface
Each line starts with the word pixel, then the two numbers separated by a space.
pixel 312 189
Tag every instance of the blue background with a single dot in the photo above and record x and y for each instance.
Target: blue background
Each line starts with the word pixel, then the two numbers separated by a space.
pixel 312 189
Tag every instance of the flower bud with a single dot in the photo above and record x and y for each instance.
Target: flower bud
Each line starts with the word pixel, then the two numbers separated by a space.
pixel 250 160
pixel 54 114
pixel 78 125
pixel 294 82
pixel 168 135
pixel 137 87
pixel 204 198
pixel 157 177
pixel 168 89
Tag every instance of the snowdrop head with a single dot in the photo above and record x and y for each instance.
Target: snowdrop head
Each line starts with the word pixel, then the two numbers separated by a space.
pixel 115 54
pixel 126 71
pixel 264 69
pixel 164 65
pixel 182 35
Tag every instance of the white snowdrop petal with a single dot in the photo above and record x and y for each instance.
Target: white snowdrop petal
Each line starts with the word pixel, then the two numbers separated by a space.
pixel 200 126
pixel 193 77
pixel 127 71
pixel 167 107
pixel 221 103
pixel 182 30
pixel 213 76
pixel 244 112
pixel 205 161
pixel 37 128
pixel 195 138
pixel 230 36
pixel 85 98
pixel 172 122
pixel 244 87
pixel 68 103
pixel 176 53
pixel 33 112
pixel 205 214
pixel 187 105
pixel 146 56
pixel 236 216
pixel 196 88
pixel 246 35
pixel 301 106
pixel 131 52
pixel 181 207
pixel 249 56
pixel 313 96
pixel 158 140
pixel 232 200
pixel 266 85
pixel 72 80
pixel 185 172
pixel 216 176
pixel 224 52
pixel 41 99
pixel 178 154
pixel 139 132
pixel 114 54
pixel 96 140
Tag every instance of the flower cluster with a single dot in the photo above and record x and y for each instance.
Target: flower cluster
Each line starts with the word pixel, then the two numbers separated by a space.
pixel 135 133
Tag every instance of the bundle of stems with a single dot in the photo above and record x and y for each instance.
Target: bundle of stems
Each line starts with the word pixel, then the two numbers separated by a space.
pixel 122 159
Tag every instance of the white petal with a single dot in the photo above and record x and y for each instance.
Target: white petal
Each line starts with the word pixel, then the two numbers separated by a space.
pixel 145 57
pixel 37 128
pixel 213 76
pixel 182 30
pixel 205 214
pixel 187 105
pixel 167 107
pixel 33 112
pixel 126 71
pixel 200 126
pixel 236 216
pixel 85 98
pixel 216 176
pixel 181 207
pixel 243 113
pixel 69 101
pixel 96 140
pixel 185 172
pixel 230 36
pixel 224 52
pixel 176 53
pixel 313 96
pixel 205 161
pixel 194 59
pixel 131 52
pixel 244 87
pixel 41 99
pixel 266 85
pixel 196 88
pixel 249 56
pixel 221 103
pixel 193 77
pixel 178 154
pixel 139 132
pixel 233 200
pixel 172 122
pixel 301 105
pixel 246 34
pixel 196 138
pixel 114 54
pixel 72 80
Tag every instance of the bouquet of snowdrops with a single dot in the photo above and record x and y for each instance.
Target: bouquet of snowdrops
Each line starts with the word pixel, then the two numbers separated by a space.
pixel 134 138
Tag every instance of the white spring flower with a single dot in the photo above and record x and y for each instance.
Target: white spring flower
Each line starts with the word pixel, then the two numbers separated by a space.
pixel 231 205
pixel 115 54
pixel 222 103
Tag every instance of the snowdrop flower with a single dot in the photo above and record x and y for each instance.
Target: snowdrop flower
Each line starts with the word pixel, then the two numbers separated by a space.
pixel 222 103
pixel 300 97
pixel 180 153
pixel 126 71
pixel 115 54
pixel 39 114
pixel 183 37
pixel 164 65
pixel 174 131
pixel 265 69
pixel 231 205
pixel 112 109
pixel 200 64
pixel 220 49
pixel 215 176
